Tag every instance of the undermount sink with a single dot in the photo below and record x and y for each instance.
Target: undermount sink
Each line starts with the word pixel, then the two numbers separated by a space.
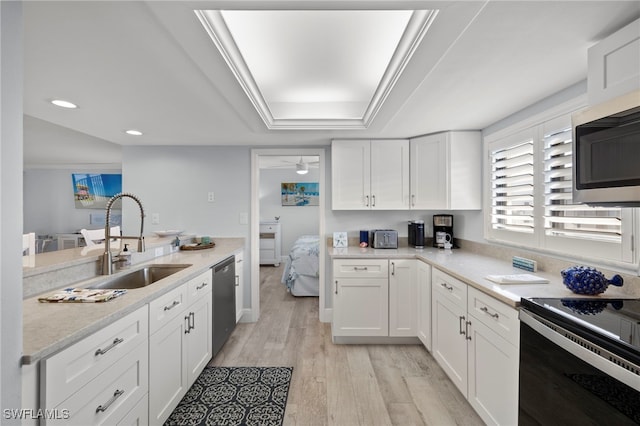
pixel 140 277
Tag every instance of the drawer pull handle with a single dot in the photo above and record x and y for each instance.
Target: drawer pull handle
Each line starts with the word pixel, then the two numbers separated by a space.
pixel 201 286
pixel 358 268
pixel 336 286
pixel 237 281
pixel 187 328
pixel 486 311
pixel 115 343
pixel 448 287
pixel 105 407
pixel 171 306
pixel 466 329
pixel 461 321
pixel 366 204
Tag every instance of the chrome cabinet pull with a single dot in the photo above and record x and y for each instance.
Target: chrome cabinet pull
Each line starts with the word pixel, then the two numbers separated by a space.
pixel 460 321
pixel 173 305
pixel 336 286
pixel 448 287
pixel 466 329
pixel 360 268
pixel 192 320
pixel 373 201
pixel 102 408
pixel 393 268
pixel 366 203
pixel 413 199
pixel 486 311
pixel 237 281
pixel 115 343
pixel 201 286
pixel 187 328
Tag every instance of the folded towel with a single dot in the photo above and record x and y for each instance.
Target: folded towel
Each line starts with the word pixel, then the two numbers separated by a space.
pixel 82 295
pixel 517 279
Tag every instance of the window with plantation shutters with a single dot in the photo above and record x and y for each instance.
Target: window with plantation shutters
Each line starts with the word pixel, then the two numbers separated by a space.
pixel 512 187
pixel 561 217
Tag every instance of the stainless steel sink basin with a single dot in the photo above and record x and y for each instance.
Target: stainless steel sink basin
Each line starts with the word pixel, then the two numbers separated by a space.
pixel 140 277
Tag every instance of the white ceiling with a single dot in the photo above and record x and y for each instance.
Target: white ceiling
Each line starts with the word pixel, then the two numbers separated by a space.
pixel 151 66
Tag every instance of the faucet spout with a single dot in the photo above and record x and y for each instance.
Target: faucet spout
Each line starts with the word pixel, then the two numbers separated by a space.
pixel 107 261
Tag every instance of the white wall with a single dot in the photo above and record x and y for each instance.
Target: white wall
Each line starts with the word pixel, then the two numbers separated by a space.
pixel 11 83
pixel 295 221
pixel 49 206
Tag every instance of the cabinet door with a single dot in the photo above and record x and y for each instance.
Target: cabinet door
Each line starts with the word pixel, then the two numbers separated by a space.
pixel 449 342
pixel 350 174
pixel 168 378
pixel 464 174
pixel 360 307
pixel 198 338
pixel 239 284
pixel 493 387
pixel 390 174
pixel 429 184
pixel 424 304
pixel 403 293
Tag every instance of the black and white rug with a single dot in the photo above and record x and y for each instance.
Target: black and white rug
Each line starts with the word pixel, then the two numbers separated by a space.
pixel 225 396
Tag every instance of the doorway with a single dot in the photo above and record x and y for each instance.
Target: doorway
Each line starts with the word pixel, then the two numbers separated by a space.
pixel 263 156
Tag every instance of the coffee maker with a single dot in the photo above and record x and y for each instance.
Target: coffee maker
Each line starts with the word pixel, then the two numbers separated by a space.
pixel 443 231
pixel 416 233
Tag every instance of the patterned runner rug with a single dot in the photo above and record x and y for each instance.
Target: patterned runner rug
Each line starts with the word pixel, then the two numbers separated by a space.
pixel 225 396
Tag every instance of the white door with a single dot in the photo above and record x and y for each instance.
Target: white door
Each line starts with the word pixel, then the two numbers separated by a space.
pixel 199 337
pixel 390 174
pixel 360 307
pixel 429 172
pixel 403 293
pixel 350 174
pixel 424 304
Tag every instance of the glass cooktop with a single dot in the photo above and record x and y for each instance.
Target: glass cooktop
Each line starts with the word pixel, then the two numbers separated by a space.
pixel 617 320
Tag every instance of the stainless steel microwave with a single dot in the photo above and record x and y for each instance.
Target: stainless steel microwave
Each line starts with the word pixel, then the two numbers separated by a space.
pixel 606 153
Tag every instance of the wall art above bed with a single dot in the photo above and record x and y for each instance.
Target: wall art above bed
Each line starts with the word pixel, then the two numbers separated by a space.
pixel 300 193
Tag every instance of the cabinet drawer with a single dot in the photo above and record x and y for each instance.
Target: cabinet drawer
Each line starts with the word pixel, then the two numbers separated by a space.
pixel 451 288
pixel 267 244
pixel 501 318
pixel 269 229
pixel 360 268
pixel 110 396
pixel 67 371
pixel 199 286
pixel 167 307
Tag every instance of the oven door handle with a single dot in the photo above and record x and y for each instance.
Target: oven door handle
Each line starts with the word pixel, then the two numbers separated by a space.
pixel 595 360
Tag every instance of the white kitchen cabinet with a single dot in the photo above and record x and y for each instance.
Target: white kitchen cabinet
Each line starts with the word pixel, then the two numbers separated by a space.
pixel 475 341
pixel 361 297
pixel 423 314
pixel 108 369
pixel 370 174
pixel 239 284
pixel 446 171
pixel 270 243
pixel 614 65
pixel 374 298
pixel 180 345
pixel 403 292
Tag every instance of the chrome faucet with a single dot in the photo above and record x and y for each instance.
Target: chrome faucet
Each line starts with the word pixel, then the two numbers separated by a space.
pixel 107 261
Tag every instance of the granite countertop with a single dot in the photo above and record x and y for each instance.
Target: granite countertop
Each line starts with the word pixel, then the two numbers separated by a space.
pixel 472 268
pixel 50 327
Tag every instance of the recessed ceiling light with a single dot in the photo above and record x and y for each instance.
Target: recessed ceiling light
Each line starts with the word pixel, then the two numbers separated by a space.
pixel 64 104
pixel 134 132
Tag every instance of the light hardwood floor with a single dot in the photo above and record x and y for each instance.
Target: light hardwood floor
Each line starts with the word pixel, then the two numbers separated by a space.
pixel 342 385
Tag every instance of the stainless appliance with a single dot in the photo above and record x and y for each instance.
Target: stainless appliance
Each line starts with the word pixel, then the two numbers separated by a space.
pixel 606 149
pixel 443 230
pixel 416 233
pixel 579 362
pixel 384 238
pixel 224 302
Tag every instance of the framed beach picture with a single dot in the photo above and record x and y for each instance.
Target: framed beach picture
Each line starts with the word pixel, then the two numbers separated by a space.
pixel 93 190
pixel 300 193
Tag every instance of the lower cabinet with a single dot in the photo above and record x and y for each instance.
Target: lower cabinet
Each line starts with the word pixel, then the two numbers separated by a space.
pixel 374 298
pixel 180 344
pixel 423 315
pixel 239 284
pixel 475 339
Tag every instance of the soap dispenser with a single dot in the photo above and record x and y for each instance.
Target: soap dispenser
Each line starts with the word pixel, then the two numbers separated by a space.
pixel 125 257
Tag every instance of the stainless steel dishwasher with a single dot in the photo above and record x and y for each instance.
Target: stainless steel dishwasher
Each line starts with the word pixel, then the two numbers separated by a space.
pixel 224 302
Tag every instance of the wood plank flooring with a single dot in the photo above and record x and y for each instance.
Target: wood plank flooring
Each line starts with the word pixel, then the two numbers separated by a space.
pixel 342 385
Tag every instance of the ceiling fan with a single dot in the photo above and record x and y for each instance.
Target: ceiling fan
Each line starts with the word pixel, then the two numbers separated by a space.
pixel 301 166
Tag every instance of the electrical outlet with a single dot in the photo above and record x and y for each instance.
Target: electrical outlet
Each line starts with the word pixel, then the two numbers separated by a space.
pixel 155 218
pixel 211 197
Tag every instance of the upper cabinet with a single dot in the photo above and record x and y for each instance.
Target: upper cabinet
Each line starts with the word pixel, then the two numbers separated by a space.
pixel 614 65
pixel 370 174
pixel 446 171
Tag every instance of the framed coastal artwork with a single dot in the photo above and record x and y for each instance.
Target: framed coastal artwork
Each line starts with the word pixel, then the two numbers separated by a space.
pixel 93 190
pixel 300 193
